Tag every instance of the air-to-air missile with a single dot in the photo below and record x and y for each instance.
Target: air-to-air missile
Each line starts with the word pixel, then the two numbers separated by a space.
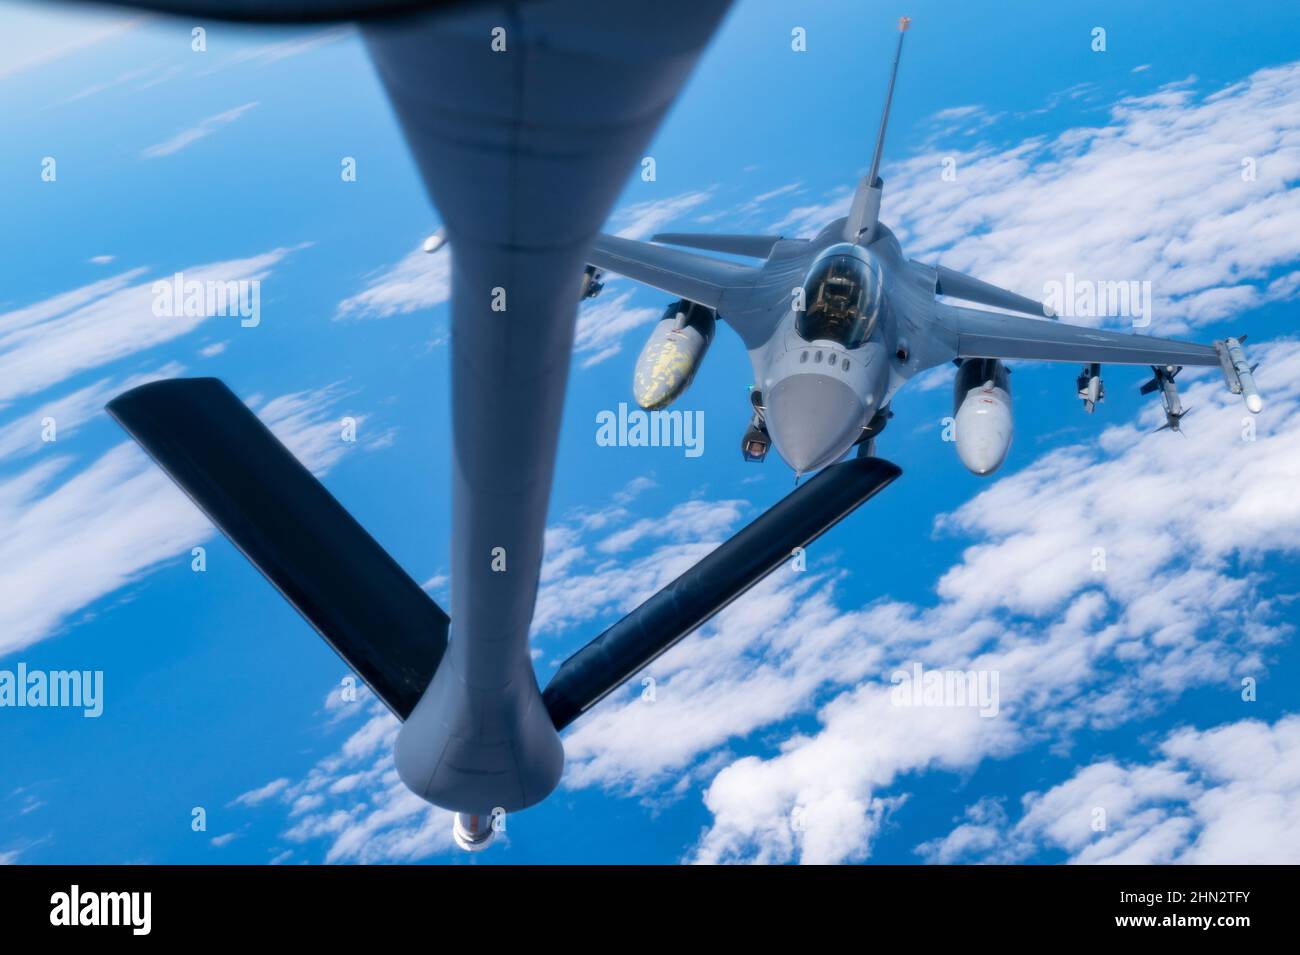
pixel 1162 380
pixel 435 241
pixel 1239 373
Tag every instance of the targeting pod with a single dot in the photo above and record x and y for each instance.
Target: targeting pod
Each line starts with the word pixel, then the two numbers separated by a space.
pixel 757 442
pixel 593 281
pixel 1238 372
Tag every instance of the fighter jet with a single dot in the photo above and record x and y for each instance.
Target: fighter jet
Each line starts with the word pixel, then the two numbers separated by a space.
pixel 836 324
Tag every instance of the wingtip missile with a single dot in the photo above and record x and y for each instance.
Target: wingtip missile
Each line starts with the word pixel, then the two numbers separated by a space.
pixel 1238 373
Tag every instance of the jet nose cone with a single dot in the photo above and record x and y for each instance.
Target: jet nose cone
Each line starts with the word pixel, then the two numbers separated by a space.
pixel 813 420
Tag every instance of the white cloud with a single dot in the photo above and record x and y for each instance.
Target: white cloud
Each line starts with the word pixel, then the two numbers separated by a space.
pixel 962 121
pixel 1229 795
pixel 260 795
pixel 275 51
pixel 689 521
pixel 806 221
pixel 23 436
pixel 129 76
pixel 955 113
pixel 1157 194
pixel 420 280
pixel 101 259
pixel 602 323
pixel 355 801
pixel 204 128
pixel 37 36
pixel 44 343
pixel 752 206
pixel 643 219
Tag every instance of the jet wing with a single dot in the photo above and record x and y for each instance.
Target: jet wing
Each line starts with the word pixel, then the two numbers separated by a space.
pixel 981 334
pixel 697 278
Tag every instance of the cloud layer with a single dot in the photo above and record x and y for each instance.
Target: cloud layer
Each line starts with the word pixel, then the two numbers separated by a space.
pixel 1221 796
pixel 799 678
pixel 1190 192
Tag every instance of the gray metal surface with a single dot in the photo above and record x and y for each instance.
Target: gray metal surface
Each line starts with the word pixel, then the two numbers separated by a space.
pixel 700 278
pixel 752 246
pixel 727 572
pixel 994 335
pixel 292 530
pixel 957 285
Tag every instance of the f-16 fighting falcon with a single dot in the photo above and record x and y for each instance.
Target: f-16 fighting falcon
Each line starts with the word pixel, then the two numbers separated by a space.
pixel 835 325
pixel 524 120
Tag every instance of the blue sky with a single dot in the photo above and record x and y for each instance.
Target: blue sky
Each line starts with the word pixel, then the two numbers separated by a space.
pixel 1120 690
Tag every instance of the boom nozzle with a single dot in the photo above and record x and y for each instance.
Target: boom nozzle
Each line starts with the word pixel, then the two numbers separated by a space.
pixel 473 832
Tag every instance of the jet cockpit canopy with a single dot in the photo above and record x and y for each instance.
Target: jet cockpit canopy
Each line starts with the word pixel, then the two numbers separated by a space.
pixel 843 296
